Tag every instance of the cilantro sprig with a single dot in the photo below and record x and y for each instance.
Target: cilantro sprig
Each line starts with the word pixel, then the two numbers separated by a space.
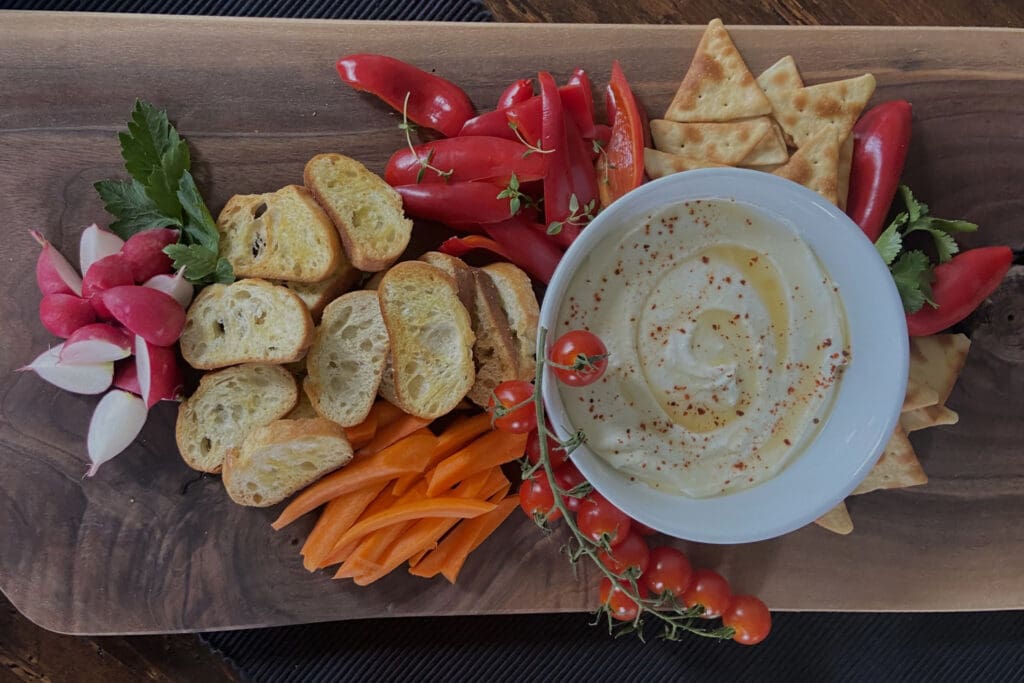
pixel 163 193
pixel 912 269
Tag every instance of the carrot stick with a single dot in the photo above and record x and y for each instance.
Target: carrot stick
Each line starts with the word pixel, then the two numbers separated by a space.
pixel 339 515
pixel 385 501
pixel 429 508
pixel 451 553
pixel 385 413
pixel 403 457
pixel 455 437
pixel 491 449
pixel 391 433
pixel 362 433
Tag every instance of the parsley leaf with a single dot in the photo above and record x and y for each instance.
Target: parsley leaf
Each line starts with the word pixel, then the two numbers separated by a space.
pixel 135 211
pixel 199 225
pixel 889 243
pixel 912 273
pixel 150 136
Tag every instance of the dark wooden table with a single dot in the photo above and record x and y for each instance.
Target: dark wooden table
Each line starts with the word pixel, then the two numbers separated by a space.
pixel 30 653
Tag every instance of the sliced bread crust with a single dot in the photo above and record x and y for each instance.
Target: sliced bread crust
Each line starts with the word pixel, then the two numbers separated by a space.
pixel 522 311
pixel 316 295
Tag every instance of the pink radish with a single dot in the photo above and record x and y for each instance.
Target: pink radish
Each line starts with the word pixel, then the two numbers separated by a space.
pixel 96 343
pixel 53 272
pixel 95 244
pixel 151 314
pixel 62 313
pixel 159 376
pixel 126 376
pixel 109 271
pixel 93 378
pixel 117 420
pixel 145 252
pixel 175 285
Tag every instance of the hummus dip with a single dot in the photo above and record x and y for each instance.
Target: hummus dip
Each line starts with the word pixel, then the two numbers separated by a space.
pixel 726 338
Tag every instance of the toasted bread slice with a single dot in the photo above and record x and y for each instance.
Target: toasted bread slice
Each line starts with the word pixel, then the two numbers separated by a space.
pixel 282 235
pixel 522 310
pixel 365 209
pixel 303 409
pixel 228 405
pixel 431 338
pixel 248 321
pixel 346 360
pixel 316 295
pixel 276 460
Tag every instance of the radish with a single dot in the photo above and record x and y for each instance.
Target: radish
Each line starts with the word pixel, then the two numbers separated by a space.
pixel 93 378
pixel 149 313
pixel 54 274
pixel 63 313
pixel 109 271
pixel 96 343
pixel 126 376
pixel 158 373
pixel 95 244
pixel 176 286
pixel 145 252
pixel 117 420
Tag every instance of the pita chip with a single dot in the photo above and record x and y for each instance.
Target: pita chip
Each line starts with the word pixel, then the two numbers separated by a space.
pixel 837 520
pixel 897 468
pixel 919 395
pixel 722 143
pixel 780 82
pixel 770 151
pixel 816 164
pixel 936 362
pixel 845 163
pixel 660 164
pixel 929 416
pixel 836 104
pixel 718 85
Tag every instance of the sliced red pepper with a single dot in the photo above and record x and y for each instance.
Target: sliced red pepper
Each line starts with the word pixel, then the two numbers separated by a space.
pixel 583 180
pixel 527 246
pixel 959 287
pixel 881 139
pixel 433 101
pixel 491 124
pixel 554 141
pixel 578 100
pixel 460 246
pixel 468 158
pixel 455 203
pixel 602 134
pixel 517 92
pixel 622 166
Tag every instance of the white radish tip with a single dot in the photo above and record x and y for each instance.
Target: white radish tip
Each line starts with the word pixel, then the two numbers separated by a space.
pixel 93 378
pixel 117 420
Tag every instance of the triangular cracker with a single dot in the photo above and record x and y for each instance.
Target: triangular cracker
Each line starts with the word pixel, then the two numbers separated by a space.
pixel 718 86
pixel 845 163
pixel 919 395
pixel 770 151
pixel 722 143
pixel 936 361
pixel 816 164
pixel 658 164
pixel 809 109
pixel 929 416
pixel 780 82
pixel 837 520
pixel 897 468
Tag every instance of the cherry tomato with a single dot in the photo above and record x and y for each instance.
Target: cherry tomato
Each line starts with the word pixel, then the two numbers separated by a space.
pixel 708 588
pixel 598 519
pixel 517 420
pixel 631 553
pixel 669 572
pixel 568 477
pixel 579 345
pixel 536 497
pixel 622 607
pixel 749 617
pixel 556 453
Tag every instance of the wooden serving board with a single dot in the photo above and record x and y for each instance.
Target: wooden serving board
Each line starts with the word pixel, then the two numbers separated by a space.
pixel 146 546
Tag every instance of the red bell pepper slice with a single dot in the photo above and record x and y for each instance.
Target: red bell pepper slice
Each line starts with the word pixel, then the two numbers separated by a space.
pixel 468 158
pixel 959 287
pixel 455 203
pixel 517 92
pixel 622 167
pixel 460 246
pixel 578 100
pixel 433 101
pixel 491 124
pixel 881 139
pixel 554 141
pixel 527 246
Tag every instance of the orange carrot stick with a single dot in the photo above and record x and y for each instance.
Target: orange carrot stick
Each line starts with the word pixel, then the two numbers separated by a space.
pixel 491 449
pixel 449 507
pixel 404 457
pixel 386 500
pixel 337 517
pixel 362 433
pixel 455 437
pixel 385 413
pixel 451 553
pixel 392 433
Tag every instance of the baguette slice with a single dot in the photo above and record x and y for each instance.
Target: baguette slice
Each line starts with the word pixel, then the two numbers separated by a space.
pixel 347 358
pixel 248 321
pixel 366 210
pixel 278 459
pixel 282 235
pixel 431 338
pixel 228 405
pixel 522 310
pixel 303 409
pixel 316 295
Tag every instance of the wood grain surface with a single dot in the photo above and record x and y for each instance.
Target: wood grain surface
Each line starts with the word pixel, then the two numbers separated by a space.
pixel 146 546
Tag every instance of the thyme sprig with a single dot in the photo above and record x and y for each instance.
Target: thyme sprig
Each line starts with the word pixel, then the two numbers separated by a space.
pixel 408 128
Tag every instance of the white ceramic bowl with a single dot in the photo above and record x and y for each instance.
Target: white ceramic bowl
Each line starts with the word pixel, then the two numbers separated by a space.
pixel 870 393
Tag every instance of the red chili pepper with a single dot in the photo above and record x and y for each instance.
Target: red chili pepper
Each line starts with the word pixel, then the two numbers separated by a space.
pixel 455 203
pixel 578 100
pixel 492 124
pixel 880 142
pixel 554 140
pixel 468 158
pixel 959 287
pixel 602 134
pixel 527 246
pixel 622 169
pixel 460 246
pixel 433 101
pixel 519 91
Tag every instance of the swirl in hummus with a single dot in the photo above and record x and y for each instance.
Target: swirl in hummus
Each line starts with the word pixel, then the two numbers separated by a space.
pixel 727 341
